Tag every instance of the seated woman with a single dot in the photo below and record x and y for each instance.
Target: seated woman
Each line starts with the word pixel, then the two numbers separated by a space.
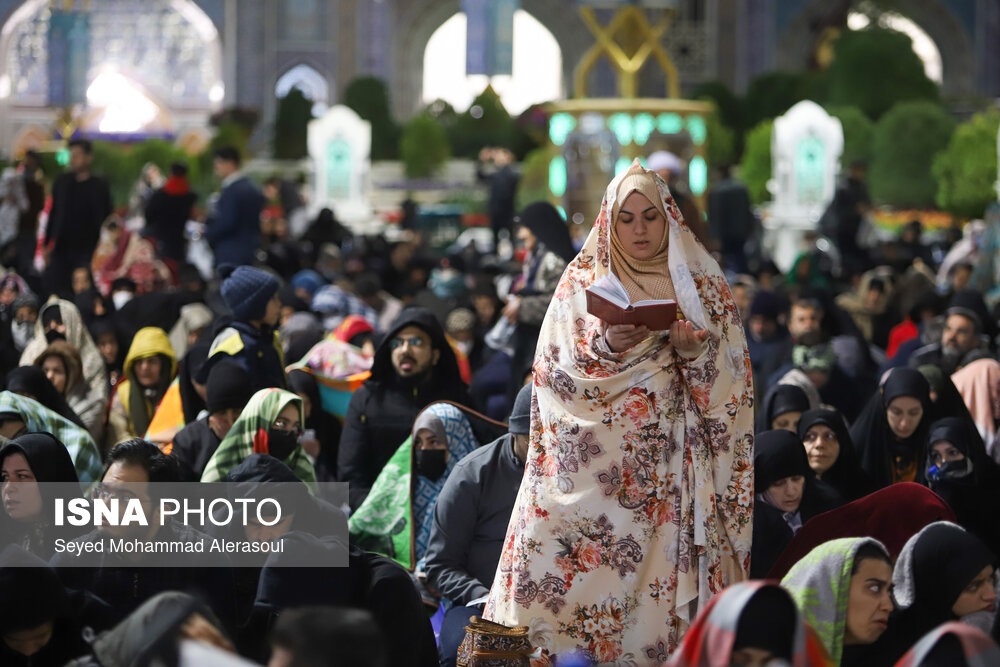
pixel 958 470
pixel 62 365
pixel 752 623
pixel 952 644
pixel 842 590
pixel 979 385
pixel 831 454
pixel 783 406
pixel 891 432
pixel 20 415
pixel 322 429
pixel 30 382
pixel 27 510
pixel 943 574
pixel 787 495
pixel 150 366
pixel 271 423
pixel 409 484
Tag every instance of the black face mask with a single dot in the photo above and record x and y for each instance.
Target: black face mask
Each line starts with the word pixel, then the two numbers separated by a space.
pixel 281 444
pixel 431 463
pixel 52 335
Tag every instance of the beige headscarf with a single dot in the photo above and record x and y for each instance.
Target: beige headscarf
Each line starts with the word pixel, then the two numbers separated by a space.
pixel 642 278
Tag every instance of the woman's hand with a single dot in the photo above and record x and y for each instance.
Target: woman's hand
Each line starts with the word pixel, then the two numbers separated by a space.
pixel 685 339
pixel 621 337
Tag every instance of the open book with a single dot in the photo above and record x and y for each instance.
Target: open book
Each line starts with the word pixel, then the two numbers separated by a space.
pixel 608 300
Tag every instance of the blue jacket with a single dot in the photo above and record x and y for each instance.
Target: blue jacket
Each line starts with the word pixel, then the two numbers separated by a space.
pixel 233 230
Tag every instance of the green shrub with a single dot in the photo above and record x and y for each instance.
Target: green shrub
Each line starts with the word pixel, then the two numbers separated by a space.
pixel 905 142
pixel 291 124
pixel 423 147
pixel 875 69
pixel 721 141
pixel 858 133
pixel 966 171
pixel 369 98
pixel 534 183
pixel 485 123
pixel 755 168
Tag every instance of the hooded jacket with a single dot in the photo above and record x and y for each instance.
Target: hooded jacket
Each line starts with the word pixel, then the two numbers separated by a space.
pixel 131 414
pixel 91 409
pixel 381 412
pixel 77 335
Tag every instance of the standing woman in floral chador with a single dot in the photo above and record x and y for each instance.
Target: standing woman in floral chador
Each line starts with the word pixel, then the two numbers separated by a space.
pixel 636 505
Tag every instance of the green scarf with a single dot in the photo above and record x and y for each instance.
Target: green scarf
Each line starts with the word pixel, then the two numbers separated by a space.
pixel 384 522
pixel 257 417
pixel 820 584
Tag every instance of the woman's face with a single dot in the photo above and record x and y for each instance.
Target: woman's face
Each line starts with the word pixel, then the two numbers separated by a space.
pixel 904 414
pixel 640 226
pixel 21 498
pixel 750 656
pixel 979 595
pixel 787 421
pixel 427 440
pixel 868 603
pixel 822 448
pixel 55 371
pixel 943 451
pixel 786 494
pixel 289 419
pixel 526 238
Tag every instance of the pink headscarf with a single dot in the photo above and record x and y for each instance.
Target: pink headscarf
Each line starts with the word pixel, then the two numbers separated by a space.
pixel 979 385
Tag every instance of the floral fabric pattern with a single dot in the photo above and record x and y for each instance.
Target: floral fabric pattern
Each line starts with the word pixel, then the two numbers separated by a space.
pixel 637 500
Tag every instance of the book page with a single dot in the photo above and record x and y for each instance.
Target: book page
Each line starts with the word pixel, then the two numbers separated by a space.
pixel 652 302
pixel 611 288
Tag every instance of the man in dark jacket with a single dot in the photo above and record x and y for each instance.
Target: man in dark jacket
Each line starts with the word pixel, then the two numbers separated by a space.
pixel 414 366
pixel 251 339
pixel 730 218
pixel 80 204
pixel 470 522
pixel 226 394
pixel 968 330
pixel 167 213
pixel 120 579
pixel 233 225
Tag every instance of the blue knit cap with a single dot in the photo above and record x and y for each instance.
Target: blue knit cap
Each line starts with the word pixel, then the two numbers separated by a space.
pixel 247 290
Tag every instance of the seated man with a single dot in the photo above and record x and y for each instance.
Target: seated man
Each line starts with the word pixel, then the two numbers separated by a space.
pixel 470 522
pixel 967 324
pixel 414 366
pixel 120 578
pixel 226 394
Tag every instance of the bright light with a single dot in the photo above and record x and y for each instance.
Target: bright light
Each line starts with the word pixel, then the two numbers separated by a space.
pixel 4 86
pixel 537 73
pixel 923 45
pixel 126 108
pixel 217 92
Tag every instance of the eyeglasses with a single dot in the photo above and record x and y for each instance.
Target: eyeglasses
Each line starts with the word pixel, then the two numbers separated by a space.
pixel 829 436
pixel 106 493
pixel 412 341
pixel 283 424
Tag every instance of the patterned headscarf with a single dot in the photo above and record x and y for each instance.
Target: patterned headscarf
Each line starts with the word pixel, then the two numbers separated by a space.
pixel 978 649
pixel 820 584
pixel 710 639
pixel 392 523
pixel 244 437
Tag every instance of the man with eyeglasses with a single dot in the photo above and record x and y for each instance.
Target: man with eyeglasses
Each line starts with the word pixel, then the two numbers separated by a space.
pixel 414 366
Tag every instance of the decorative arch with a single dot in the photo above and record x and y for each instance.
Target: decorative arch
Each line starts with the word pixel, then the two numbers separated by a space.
pixel 955 44
pixel 307 79
pixel 422 17
pixel 191 81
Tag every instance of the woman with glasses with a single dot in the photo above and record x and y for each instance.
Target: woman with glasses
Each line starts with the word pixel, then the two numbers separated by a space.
pixel 271 423
pixel 831 455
